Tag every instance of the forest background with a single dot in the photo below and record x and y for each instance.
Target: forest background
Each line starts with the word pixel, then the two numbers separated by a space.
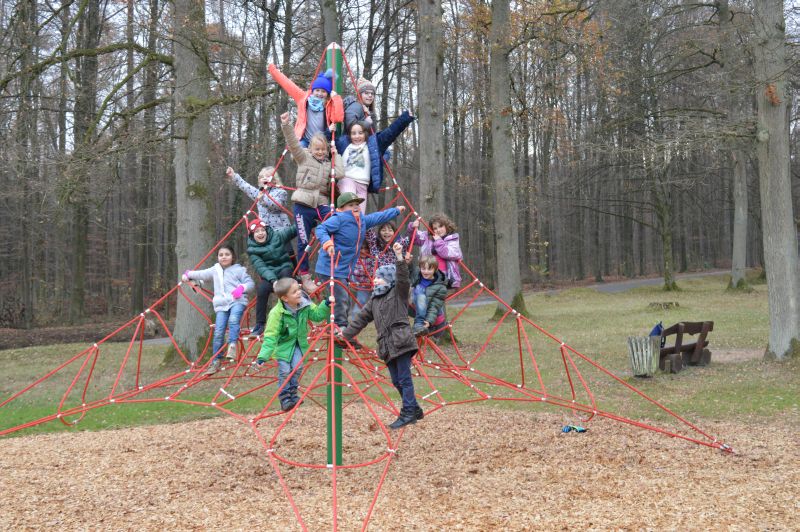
pixel 630 130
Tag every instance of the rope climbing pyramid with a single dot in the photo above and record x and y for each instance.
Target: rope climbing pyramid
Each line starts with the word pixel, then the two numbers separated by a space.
pixel 346 395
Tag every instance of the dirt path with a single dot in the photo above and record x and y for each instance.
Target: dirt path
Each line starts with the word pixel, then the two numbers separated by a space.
pixel 465 468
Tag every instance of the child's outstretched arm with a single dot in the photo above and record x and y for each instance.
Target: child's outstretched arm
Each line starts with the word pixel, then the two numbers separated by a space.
pixel 244 186
pixel 321 312
pixel 402 280
pixel 295 92
pixel 359 321
pixel 297 151
pixel 199 275
pixel 386 137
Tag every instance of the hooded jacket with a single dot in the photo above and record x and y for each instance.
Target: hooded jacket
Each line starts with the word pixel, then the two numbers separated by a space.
pixel 313 176
pixel 271 257
pixel 436 293
pixel 377 145
pixel 272 207
pixel 225 281
pixel 390 314
pixel 447 250
pixel 285 329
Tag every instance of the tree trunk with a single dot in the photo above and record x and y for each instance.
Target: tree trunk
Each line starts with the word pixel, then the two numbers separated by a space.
pixel 330 21
pixel 431 113
pixel 772 147
pixel 192 146
pixel 505 184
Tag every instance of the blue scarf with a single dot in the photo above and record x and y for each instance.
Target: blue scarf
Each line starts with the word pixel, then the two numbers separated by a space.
pixel 315 104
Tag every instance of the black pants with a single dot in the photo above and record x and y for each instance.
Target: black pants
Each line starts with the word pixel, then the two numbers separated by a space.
pixel 263 291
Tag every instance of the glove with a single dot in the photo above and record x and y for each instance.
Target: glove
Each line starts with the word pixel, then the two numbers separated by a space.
pixel 238 291
pixel 185 276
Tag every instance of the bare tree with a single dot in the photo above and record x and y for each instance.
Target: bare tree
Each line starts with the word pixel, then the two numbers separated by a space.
pixel 330 21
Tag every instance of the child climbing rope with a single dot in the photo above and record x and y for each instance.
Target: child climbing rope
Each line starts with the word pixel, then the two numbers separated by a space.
pixel 442 242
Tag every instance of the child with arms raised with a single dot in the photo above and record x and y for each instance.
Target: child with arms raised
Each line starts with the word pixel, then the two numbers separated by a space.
pixel 231 284
pixel 286 336
pixel 388 308
pixel 270 194
pixel 312 196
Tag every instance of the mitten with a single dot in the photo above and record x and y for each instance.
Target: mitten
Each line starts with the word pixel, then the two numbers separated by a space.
pixel 238 291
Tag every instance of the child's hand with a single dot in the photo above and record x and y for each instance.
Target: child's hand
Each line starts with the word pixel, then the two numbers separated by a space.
pixel 436 237
pixel 415 224
pixel 398 250
pixel 332 127
pixel 229 172
pixel 409 257
pixel 427 325
pixel 185 278
pixel 285 118
pixel 401 208
pixel 333 149
pixel 238 291
pixel 328 247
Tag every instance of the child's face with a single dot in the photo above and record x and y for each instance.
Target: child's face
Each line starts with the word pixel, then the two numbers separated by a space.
pixel 439 230
pixel 265 179
pixel 260 234
pixel 378 281
pixel 368 97
pixel 387 233
pixel 427 271
pixel 319 150
pixel 224 257
pixel 352 206
pixel 322 94
pixel 357 135
pixel 294 296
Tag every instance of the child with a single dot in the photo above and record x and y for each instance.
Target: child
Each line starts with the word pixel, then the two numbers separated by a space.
pixel 231 284
pixel 286 336
pixel 428 292
pixel 270 194
pixel 267 250
pixel 443 243
pixel 387 306
pixel 380 244
pixel 361 109
pixel 362 154
pixel 313 190
pixel 341 237
pixel 317 108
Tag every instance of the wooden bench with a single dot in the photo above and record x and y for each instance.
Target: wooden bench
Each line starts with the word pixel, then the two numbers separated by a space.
pixel 680 354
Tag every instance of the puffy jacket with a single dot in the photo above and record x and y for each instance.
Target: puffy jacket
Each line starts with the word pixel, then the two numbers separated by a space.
pixel 390 313
pixel 436 293
pixel 225 281
pixel 271 257
pixel 313 177
pixel 447 251
pixel 272 207
pixel 377 145
pixel 354 112
pixel 348 233
pixel 334 108
pixel 285 329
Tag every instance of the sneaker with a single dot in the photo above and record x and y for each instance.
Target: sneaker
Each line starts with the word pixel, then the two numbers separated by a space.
pixel 419 413
pixel 213 367
pixel 287 405
pixel 407 417
pixel 419 329
pixel 231 354
pixel 258 330
pixel 308 283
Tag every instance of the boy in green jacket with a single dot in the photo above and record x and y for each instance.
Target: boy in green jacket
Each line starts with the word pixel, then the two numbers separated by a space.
pixel 286 336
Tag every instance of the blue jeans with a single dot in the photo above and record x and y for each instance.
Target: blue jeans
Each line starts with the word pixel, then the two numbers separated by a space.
pixel 400 371
pixel 362 295
pixel 227 319
pixel 289 393
pixel 341 308
pixel 306 219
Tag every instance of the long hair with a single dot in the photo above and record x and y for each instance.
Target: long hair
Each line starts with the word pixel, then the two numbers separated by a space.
pixel 443 220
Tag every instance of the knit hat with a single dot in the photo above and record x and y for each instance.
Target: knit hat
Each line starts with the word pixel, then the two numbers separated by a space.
pixel 363 84
pixel 389 274
pixel 347 197
pixel 254 224
pixel 324 81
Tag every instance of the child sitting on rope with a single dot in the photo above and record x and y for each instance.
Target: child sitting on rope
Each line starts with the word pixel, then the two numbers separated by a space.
pixel 428 292
pixel 313 191
pixel 270 194
pixel 266 248
pixel 317 109
pixel 341 237
pixel 363 154
pixel 388 308
pixel 442 242
pixel 231 285
pixel 286 336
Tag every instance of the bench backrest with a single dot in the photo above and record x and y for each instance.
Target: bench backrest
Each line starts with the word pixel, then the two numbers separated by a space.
pixel 689 327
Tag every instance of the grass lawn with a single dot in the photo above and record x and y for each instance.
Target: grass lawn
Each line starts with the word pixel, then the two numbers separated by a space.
pixel 593 323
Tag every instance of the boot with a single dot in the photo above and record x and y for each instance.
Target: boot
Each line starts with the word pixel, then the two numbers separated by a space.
pixel 407 417
pixel 419 413
pixel 213 367
pixel 308 283
pixel 231 354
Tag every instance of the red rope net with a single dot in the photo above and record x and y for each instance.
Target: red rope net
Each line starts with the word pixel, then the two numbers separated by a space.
pixel 513 360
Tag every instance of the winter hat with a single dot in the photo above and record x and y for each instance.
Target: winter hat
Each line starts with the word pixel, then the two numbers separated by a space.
pixel 347 197
pixel 324 81
pixel 254 224
pixel 363 84
pixel 389 274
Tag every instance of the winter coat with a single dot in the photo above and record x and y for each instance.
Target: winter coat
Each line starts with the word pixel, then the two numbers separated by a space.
pixel 381 254
pixel 225 281
pixel 348 235
pixel 354 112
pixel 284 328
pixel 447 251
pixel 271 257
pixel 390 313
pixel 377 145
pixel 334 108
pixel 436 293
pixel 313 177
pixel 272 207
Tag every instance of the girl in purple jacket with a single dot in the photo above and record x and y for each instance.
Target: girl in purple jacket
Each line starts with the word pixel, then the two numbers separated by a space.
pixel 443 243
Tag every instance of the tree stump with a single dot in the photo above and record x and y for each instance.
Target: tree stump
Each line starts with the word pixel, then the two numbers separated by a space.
pixel 643 352
pixel 664 305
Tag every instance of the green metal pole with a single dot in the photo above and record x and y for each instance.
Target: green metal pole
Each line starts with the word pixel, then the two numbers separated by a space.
pixel 334 60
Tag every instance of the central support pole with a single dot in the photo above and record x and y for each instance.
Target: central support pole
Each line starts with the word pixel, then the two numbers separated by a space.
pixel 334 60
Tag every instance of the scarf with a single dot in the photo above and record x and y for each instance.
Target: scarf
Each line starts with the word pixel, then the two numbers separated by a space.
pixel 387 273
pixel 315 104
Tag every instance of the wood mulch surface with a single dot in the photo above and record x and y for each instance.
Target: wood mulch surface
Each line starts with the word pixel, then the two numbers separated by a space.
pixel 462 468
